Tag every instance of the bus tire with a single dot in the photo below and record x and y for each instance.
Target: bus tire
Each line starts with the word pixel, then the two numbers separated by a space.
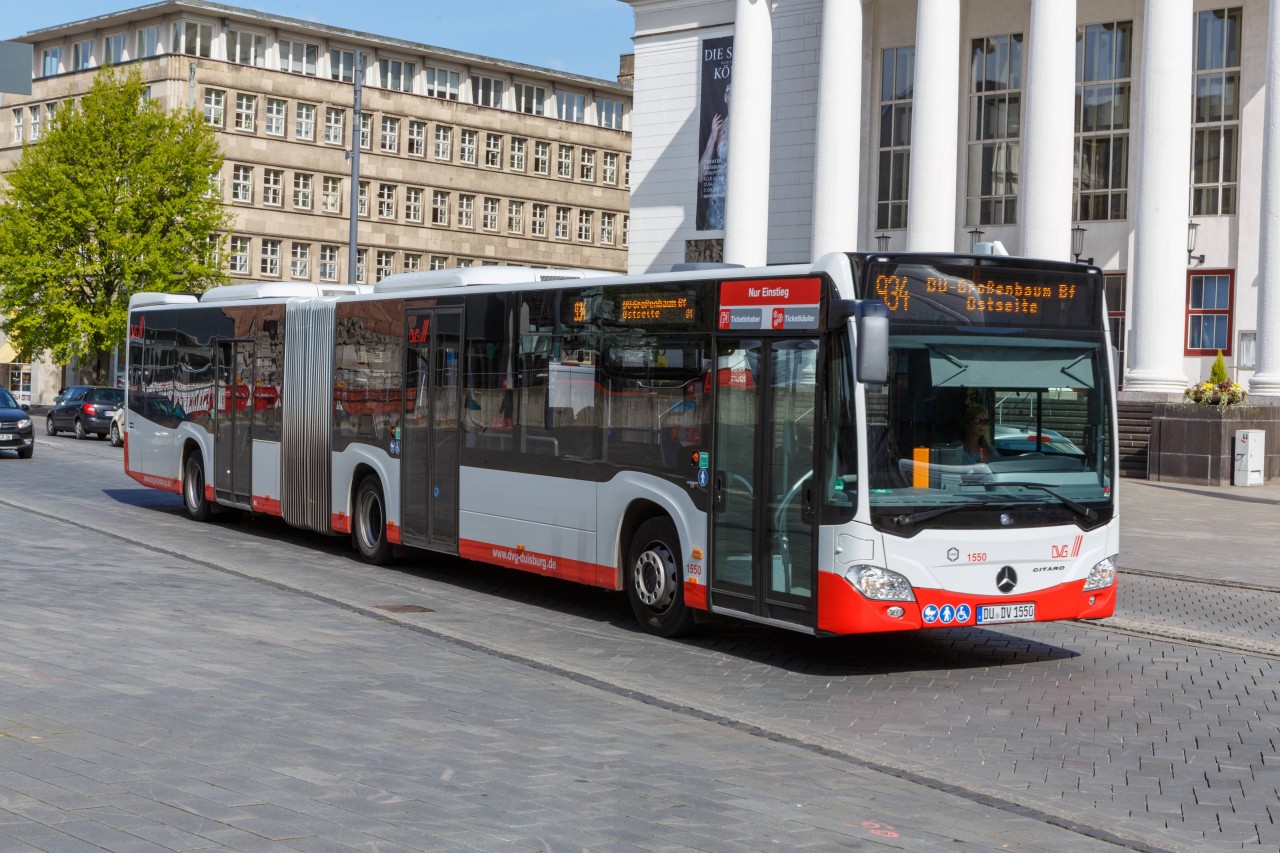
pixel 653 579
pixel 193 497
pixel 369 523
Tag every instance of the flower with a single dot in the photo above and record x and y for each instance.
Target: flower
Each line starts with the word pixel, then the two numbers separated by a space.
pixel 1221 394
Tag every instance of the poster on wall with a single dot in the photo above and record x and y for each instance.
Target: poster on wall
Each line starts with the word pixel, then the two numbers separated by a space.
pixel 713 132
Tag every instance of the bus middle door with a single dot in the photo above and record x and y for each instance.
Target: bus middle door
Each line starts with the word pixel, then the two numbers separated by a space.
pixel 233 410
pixel 763 524
pixel 432 438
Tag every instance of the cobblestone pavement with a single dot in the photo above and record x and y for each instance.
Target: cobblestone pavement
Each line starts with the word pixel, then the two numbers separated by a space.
pixel 1165 743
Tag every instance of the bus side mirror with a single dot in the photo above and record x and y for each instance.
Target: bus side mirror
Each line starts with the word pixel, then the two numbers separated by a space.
pixel 872 359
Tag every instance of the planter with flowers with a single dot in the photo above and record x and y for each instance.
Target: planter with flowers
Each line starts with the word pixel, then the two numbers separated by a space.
pixel 1194 441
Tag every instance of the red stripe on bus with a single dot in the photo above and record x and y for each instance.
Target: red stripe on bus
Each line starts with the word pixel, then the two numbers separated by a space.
pixel 512 557
pixel 270 506
pixel 393 533
pixel 164 484
pixel 695 595
pixel 843 610
pixel 340 522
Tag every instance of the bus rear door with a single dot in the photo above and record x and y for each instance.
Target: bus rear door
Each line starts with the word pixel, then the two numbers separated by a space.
pixel 432 437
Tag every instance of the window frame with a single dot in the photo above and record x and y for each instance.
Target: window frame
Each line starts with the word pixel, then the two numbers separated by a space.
pixel 1193 313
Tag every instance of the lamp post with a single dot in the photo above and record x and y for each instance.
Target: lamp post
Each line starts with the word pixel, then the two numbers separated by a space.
pixel 1077 243
pixel 1192 228
pixel 882 242
pixel 975 236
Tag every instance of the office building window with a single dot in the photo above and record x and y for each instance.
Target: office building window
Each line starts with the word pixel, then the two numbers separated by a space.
pixel 331 194
pixel 334 125
pixel 242 184
pixel 626 176
pixel 362 199
pixel 342 65
pixel 34 124
pixel 530 99
pixel 609 168
pixel 299 57
pixel 467 147
pixel 609 113
pixel 626 230
pixel 82 55
pixel 417 138
pixel 50 61
pixel 571 107
pixel 270 258
pixel 391 134
pixel 443 149
pixel 897 88
pixel 542 158
pixel 515 217
pixel 486 91
pixel 273 117
pixel 517 153
pixel 538 220
pixel 995 126
pixel 442 83
pixel 272 187
pixel 328 263
pixel 246 112
pixel 362 256
pixel 439 262
pixel 466 211
pixel 489 218
pixel 148 42
pixel 215 107
pixel 413 204
pixel 562 223
pixel 300 260
pixel 113 49
pixel 384 264
pixel 17 125
pixel 397 74
pixel 606 229
pixel 247 48
pixel 366 131
pixel 493 151
pixel 587 165
pixel 439 207
pixel 1103 89
pixel 386 201
pixel 412 262
pixel 302 190
pixel 304 125
pixel 1215 132
pixel 585 222
pixel 1209 304
pixel 238 260
pixel 564 162
pixel 192 38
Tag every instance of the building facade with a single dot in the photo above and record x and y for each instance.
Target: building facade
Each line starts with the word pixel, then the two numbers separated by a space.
pixel 1139 135
pixel 464 159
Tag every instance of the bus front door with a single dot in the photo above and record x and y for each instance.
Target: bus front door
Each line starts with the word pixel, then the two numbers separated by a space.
pixel 233 413
pixel 431 438
pixel 763 524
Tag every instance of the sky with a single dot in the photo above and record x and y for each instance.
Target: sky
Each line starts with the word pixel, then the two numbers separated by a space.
pixel 578 36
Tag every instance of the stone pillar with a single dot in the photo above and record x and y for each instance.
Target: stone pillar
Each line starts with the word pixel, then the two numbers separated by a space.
pixel 1048 132
pixel 746 212
pixel 931 207
pixel 835 171
pixel 1162 152
pixel 1266 382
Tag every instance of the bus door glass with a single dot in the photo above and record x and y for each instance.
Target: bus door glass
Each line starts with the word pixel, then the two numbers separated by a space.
pixel 233 407
pixel 763 520
pixel 431 437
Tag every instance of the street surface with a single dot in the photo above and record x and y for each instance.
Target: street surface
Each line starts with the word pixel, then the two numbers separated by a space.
pixel 166 685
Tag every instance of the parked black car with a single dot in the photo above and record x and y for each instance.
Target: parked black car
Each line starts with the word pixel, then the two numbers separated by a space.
pixel 85 410
pixel 16 432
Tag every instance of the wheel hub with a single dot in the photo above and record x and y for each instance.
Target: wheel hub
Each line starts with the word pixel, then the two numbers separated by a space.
pixel 655 578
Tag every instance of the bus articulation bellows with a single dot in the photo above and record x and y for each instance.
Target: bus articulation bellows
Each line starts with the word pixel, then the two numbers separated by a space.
pixel 872 442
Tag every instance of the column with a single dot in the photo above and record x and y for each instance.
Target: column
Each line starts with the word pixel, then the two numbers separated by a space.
pixel 1159 212
pixel 835 169
pixel 931 204
pixel 1266 382
pixel 1048 132
pixel 746 212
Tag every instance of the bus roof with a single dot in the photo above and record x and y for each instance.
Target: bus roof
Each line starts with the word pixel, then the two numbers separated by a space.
pixel 467 276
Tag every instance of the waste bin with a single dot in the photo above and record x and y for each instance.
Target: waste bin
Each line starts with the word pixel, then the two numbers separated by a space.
pixel 1250 457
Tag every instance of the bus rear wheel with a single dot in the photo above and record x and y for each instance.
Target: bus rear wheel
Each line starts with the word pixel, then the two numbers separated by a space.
pixel 653 579
pixel 369 523
pixel 193 497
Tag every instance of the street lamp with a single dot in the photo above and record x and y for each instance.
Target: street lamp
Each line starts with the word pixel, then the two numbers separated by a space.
pixel 975 235
pixel 1192 227
pixel 1077 243
pixel 882 242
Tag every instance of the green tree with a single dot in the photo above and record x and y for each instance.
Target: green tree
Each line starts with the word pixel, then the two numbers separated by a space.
pixel 112 200
pixel 1218 373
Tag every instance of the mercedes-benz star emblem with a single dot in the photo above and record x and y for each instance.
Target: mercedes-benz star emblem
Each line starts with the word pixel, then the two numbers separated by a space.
pixel 1006 579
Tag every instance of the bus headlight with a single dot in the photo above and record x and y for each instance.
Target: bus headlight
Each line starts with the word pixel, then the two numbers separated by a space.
pixel 1102 575
pixel 880 584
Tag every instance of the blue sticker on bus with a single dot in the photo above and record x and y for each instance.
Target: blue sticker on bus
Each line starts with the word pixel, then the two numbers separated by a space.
pixel 704 477
pixel 963 613
pixel 946 614
pixel 930 613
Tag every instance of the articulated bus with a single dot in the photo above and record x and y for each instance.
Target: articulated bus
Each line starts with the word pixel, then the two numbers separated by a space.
pixel 871 442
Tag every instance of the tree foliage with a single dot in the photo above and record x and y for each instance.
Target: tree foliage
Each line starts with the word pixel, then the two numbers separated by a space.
pixel 112 200
pixel 1218 373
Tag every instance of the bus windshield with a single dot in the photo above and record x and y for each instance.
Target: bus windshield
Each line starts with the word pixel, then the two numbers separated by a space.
pixel 991 421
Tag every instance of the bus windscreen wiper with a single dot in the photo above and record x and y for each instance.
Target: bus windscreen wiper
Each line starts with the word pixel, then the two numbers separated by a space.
pixel 1078 508
pixel 925 515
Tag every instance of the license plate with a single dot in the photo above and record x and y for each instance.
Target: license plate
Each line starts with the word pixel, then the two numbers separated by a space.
pixel 7 437
pixel 989 614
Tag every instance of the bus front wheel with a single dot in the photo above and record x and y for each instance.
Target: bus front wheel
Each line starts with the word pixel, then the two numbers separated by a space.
pixel 653 579
pixel 193 497
pixel 369 524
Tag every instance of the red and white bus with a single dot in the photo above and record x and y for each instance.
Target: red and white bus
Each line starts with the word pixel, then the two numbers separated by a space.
pixel 871 442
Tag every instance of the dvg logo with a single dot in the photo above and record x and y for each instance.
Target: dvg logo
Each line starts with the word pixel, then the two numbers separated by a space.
pixel 1006 579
